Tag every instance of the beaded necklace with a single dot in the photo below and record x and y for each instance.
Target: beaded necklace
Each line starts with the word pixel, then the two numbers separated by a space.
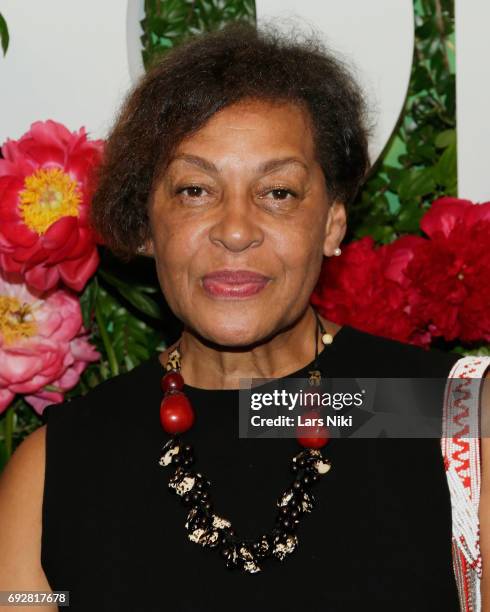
pixel 203 525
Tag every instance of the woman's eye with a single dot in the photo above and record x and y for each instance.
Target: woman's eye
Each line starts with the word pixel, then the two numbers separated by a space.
pixel 280 193
pixel 193 191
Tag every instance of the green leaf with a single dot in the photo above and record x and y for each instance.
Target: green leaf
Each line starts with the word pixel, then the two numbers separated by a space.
pixel 417 183
pixel 408 220
pixel 4 34
pixel 170 22
pixel 123 339
pixel 52 388
pixel 393 202
pixel 135 294
pixel 140 301
pixel 87 303
pixel 445 170
pixel 445 139
pixel 481 351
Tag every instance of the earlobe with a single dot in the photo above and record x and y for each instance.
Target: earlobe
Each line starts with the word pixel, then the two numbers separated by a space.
pixel 146 249
pixel 150 249
pixel 335 229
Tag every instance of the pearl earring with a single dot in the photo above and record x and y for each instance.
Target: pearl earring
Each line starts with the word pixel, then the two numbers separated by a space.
pixel 327 338
pixel 141 248
pixel 337 251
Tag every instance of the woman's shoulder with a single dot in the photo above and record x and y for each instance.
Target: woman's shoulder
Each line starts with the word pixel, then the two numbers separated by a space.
pixel 392 357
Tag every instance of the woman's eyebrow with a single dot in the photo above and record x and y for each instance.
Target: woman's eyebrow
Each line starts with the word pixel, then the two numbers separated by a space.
pixel 272 164
pixel 264 167
pixel 196 161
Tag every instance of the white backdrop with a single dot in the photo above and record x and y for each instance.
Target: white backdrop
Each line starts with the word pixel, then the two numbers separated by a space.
pixel 74 62
pixel 473 98
pixel 67 61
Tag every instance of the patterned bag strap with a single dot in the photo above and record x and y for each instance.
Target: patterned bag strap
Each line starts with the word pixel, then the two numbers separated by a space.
pixel 460 444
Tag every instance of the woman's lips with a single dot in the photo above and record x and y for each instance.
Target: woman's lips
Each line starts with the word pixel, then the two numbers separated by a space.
pixel 234 283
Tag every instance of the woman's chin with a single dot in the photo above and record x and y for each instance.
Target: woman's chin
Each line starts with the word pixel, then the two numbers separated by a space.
pixel 233 330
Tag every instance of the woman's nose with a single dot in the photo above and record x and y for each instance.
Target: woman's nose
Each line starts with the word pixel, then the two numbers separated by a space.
pixel 237 228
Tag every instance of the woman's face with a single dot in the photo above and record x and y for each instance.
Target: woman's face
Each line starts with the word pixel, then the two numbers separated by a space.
pixel 244 193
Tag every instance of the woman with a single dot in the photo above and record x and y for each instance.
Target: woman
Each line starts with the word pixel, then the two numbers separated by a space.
pixel 232 164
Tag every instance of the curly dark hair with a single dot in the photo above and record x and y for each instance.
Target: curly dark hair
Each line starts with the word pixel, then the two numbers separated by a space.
pixel 192 82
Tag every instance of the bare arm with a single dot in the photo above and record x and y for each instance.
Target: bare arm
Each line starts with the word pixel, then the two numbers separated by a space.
pixel 21 496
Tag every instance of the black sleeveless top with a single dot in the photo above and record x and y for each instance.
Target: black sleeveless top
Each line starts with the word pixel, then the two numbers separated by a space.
pixel 113 535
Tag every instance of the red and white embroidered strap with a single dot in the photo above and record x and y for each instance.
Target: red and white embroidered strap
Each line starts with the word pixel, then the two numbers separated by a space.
pixel 460 444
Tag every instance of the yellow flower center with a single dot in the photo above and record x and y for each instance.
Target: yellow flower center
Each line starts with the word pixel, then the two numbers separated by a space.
pixel 48 196
pixel 16 320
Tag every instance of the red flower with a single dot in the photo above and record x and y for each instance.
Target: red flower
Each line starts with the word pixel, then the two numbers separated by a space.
pixel 44 202
pixel 415 288
pixel 367 287
pixel 452 271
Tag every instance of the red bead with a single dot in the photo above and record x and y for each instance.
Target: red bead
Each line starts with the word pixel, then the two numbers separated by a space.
pixel 312 436
pixel 176 413
pixel 313 442
pixel 172 381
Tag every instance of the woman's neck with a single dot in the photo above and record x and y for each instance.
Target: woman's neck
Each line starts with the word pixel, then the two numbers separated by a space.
pixel 209 367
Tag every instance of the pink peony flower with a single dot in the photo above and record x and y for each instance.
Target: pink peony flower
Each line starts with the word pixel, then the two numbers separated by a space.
pixel 45 194
pixel 42 343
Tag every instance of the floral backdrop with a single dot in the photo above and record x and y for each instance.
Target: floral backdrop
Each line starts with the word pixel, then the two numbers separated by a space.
pixel 414 265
